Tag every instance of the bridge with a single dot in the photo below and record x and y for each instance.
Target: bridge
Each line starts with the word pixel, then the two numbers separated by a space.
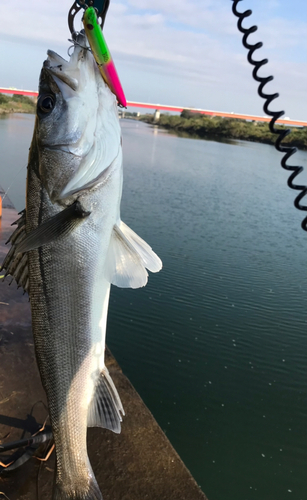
pixel 177 109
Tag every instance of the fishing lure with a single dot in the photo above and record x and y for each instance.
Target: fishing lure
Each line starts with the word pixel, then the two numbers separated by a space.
pixel 102 54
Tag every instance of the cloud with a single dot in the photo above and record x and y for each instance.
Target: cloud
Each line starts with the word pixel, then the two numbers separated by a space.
pixel 205 15
pixel 191 49
pixel 34 21
pixel 212 18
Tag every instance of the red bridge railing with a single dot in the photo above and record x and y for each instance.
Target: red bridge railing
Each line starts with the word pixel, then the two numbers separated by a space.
pixel 178 109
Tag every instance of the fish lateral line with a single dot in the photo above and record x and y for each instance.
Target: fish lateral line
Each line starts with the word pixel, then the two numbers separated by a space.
pixel 61 224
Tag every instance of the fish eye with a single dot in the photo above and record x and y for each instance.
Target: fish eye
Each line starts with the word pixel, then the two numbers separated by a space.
pixel 46 103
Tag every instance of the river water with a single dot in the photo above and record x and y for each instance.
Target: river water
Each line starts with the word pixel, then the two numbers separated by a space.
pixel 216 343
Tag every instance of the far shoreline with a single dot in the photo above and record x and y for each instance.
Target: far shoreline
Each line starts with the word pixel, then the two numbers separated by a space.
pixel 195 125
pixel 16 104
pixel 188 125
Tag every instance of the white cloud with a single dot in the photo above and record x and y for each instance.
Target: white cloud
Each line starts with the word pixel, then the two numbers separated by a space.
pixel 212 16
pixel 191 50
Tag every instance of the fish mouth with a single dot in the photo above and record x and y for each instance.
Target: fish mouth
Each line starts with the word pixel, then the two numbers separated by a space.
pixel 58 75
pixel 58 68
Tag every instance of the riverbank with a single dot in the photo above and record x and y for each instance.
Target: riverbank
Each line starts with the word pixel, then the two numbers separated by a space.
pixel 197 125
pixel 16 104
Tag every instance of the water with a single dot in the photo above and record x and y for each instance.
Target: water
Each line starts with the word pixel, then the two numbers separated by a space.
pixel 15 138
pixel 216 343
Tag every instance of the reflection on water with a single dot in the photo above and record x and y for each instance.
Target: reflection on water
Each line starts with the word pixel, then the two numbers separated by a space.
pixel 15 137
pixel 216 342
pixel 189 135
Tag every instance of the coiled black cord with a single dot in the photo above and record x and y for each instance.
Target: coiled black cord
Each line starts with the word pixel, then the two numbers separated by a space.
pixel 288 150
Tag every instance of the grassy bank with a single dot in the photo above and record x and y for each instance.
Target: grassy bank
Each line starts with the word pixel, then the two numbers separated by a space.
pixel 195 124
pixel 16 104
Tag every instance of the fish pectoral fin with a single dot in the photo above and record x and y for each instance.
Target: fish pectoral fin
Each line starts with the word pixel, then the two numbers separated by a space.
pixel 105 408
pixel 59 225
pixel 15 263
pixel 128 257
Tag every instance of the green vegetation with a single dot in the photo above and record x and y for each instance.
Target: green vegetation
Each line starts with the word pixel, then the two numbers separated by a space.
pixel 16 104
pixel 129 114
pixel 196 124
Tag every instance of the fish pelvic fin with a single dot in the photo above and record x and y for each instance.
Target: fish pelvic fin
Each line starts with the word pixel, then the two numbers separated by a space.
pixel 15 263
pixel 106 408
pixel 128 258
pixel 91 492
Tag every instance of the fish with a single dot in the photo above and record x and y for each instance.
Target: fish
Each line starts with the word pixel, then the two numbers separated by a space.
pixel 69 246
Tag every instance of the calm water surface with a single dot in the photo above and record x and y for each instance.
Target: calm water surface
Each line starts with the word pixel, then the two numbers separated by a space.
pixel 216 344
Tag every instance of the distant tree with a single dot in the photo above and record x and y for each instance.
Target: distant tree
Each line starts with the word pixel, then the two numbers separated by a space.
pixel 228 128
pixel 3 99
pixel 186 113
pixel 23 99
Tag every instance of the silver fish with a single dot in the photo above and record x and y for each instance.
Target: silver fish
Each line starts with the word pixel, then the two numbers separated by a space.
pixel 69 246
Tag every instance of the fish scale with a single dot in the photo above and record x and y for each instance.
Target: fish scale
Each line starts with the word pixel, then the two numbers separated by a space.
pixel 69 246
pixel 62 334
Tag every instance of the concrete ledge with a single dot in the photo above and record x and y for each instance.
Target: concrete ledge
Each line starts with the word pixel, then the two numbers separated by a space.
pixel 138 464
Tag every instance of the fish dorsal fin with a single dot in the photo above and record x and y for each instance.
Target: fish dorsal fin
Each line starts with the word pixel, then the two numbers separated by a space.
pixel 16 263
pixel 105 408
pixel 128 257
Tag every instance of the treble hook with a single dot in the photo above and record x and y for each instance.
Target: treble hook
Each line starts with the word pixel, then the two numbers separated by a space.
pixel 101 7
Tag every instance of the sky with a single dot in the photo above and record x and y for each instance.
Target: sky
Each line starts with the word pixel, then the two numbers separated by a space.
pixel 177 52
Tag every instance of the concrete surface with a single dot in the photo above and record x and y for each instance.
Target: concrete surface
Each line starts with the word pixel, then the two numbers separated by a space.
pixel 138 464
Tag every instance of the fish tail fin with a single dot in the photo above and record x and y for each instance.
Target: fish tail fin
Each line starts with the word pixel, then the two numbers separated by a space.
pixel 106 407
pixel 90 492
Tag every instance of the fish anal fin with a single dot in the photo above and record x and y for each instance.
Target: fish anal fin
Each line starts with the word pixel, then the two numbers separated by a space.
pixel 59 225
pixel 105 408
pixel 150 259
pixel 16 263
pixel 128 257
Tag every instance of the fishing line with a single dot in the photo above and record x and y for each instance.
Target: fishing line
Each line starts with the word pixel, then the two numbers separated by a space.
pixel 14 179
pixel 282 133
